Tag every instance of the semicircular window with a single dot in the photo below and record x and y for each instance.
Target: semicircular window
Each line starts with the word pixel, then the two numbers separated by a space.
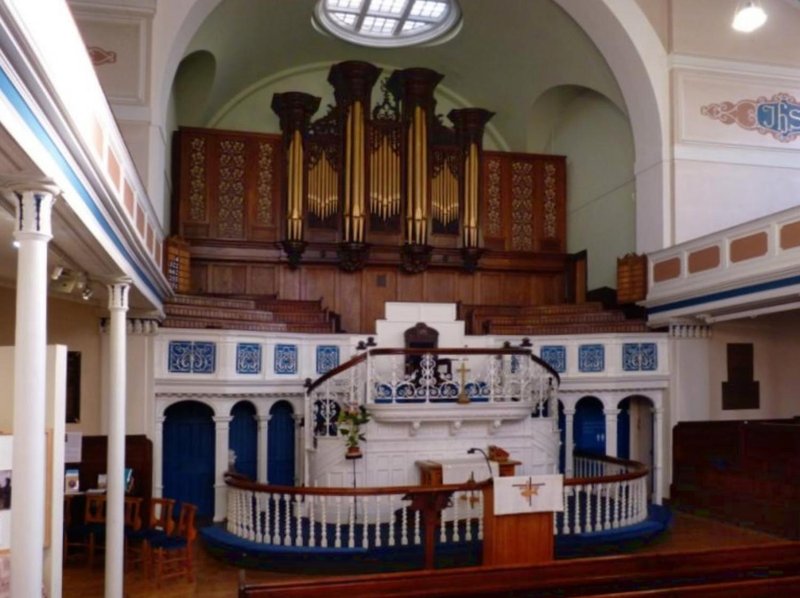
pixel 389 23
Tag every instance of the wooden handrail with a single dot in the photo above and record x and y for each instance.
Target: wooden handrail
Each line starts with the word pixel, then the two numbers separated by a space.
pixel 238 481
pixel 454 351
pixel 638 470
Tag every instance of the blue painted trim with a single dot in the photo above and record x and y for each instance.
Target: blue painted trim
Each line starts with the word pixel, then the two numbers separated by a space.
pixel 13 95
pixel 746 290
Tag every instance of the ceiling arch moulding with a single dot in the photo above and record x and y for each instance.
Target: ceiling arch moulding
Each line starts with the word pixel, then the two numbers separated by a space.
pixel 443 92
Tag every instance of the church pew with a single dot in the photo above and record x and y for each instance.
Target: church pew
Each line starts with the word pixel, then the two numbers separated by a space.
pixel 614 575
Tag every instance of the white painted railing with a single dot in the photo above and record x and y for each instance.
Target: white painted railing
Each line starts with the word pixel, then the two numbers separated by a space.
pixel 609 494
pixel 402 376
pixel 606 494
pixel 349 518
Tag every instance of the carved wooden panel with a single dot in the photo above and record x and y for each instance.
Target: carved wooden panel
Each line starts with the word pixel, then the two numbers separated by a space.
pixel 524 202
pixel 229 185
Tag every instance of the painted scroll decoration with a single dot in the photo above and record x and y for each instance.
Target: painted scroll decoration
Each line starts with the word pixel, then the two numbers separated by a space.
pixel 99 56
pixel 778 116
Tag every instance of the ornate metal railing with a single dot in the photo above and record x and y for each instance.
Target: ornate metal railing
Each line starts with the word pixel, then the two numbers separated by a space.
pixel 431 376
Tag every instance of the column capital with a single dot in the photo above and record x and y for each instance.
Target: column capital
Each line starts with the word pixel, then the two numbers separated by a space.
pixel 118 295
pixel 263 419
pixel 611 412
pixel 33 213
pixel 222 419
pixel 569 411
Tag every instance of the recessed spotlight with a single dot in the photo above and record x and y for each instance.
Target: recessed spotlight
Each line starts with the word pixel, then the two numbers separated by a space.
pixel 56 273
pixel 87 294
pixel 15 244
pixel 749 16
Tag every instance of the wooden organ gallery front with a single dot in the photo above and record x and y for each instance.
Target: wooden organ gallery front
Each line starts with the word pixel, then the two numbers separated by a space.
pixel 372 202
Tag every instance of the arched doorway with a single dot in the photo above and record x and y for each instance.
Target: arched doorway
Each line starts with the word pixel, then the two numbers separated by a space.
pixel 641 443
pixel 188 465
pixel 590 426
pixel 243 439
pixel 624 429
pixel 280 445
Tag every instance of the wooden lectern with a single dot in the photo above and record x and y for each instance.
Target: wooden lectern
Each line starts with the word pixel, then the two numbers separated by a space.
pixel 516 539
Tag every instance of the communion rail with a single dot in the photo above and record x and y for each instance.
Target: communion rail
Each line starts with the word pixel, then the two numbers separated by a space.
pixel 611 494
pixel 431 376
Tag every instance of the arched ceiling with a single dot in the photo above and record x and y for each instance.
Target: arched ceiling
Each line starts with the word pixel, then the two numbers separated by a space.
pixel 507 54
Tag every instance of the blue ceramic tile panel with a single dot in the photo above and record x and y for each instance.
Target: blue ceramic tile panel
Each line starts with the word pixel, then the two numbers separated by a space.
pixel 631 355
pixel 648 357
pixel 327 358
pixel 591 358
pixel 555 356
pixel 204 358
pixel 180 357
pixel 248 358
pixel 285 359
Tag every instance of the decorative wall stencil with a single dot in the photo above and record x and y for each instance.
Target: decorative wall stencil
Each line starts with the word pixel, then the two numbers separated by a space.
pixel 285 359
pixel 555 356
pixel 638 357
pixel 778 116
pixel 231 189
pixel 591 358
pixel 99 56
pixel 549 200
pixel 327 358
pixel 187 357
pixel 264 185
pixel 493 224
pixel 197 179
pixel 522 206
pixel 248 358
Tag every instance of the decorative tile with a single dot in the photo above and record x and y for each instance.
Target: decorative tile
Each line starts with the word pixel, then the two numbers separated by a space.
pixel 555 356
pixel 187 357
pixel 248 358
pixel 285 359
pixel 648 359
pixel 327 358
pixel 638 357
pixel 180 357
pixel 204 358
pixel 591 358
pixel 630 357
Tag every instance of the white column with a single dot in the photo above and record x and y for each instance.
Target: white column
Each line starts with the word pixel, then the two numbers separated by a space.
pixel 158 457
pixel 569 442
pixel 298 448
pixel 32 230
pixel 658 449
pixel 611 431
pixel 115 469
pixel 263 425
pixel 222 424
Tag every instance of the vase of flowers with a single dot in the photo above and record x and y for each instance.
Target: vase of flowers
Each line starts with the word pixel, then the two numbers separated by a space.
pixel 349 422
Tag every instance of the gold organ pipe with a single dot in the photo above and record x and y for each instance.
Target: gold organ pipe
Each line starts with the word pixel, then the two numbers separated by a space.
pixel 410 186
pixel 358 199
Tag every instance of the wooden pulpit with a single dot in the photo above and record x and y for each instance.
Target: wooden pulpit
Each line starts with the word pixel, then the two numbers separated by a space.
pixel 520 530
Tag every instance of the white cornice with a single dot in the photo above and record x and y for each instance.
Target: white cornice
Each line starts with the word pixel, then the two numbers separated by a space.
pixel 733 67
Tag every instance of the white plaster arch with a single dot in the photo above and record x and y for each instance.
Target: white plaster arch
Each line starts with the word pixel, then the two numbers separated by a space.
pixel 165 403
pixel 627 41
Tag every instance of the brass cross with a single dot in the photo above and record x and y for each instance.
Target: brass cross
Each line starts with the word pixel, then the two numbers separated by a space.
pixel 463 399
pixel 473 497
pixel 528 490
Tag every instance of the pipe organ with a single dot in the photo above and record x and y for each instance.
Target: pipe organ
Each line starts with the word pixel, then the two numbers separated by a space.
pixel 380 178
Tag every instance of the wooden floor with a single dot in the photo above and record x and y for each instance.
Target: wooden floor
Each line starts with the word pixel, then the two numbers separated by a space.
pixel 215 579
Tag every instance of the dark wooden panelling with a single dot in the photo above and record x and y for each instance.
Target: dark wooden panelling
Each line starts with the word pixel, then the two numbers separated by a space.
pixel 348 301
pixel 290 283
pixel 491 288
pixel 465 287
pixel 410 287
pixel 440 287
pixel 262 280
pixel 229 279
pixel 516 289
pixel 380 286
pixel 318 282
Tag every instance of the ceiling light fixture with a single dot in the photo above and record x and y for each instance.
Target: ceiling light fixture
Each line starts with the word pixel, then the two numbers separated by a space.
pixel 15 244
pixel 87 294
pixel 749 16
pixel 57 272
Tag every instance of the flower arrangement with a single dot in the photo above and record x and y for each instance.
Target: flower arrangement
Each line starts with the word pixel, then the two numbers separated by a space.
pixel 349 422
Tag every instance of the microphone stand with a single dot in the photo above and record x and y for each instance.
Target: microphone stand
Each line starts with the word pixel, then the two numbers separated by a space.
pixel 474 450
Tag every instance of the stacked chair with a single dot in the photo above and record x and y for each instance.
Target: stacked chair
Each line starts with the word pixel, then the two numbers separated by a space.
pixel 137 541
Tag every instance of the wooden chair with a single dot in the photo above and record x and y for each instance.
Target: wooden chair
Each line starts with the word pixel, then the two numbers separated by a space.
pixel 94 521
pixel 74 531
pixel 173 555
pixel 133 520
pixel 159 524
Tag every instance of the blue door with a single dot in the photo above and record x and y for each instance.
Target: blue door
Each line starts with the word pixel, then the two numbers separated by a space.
pixel 243 439
pixel 590 426
pixel 280 445
pixel 624 430
pixel 189 455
